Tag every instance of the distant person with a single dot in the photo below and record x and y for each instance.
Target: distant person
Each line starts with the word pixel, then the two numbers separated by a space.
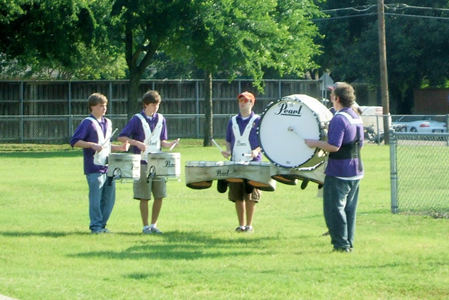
pixel 94 135
pixel 147 132
pixel 243 128
pixel 344 169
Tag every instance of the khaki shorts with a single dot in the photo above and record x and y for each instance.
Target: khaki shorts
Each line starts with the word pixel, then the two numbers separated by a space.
pixel 237 193
pixel 143 189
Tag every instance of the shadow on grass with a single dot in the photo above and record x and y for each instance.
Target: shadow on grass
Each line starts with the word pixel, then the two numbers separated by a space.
pixel 185 246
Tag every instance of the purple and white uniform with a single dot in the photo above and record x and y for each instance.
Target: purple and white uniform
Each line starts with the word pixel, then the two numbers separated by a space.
pixel 342 132
pixel 135 130
pixel 87 131
pixel 242 124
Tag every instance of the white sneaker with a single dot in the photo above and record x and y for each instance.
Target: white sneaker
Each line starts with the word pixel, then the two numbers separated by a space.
pixel 240 229
pixel 151 230
pixel 249 229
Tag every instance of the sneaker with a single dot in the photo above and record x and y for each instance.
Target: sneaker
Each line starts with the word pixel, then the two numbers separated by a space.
pixel 105 230
pixel 151 230
pixel 344 250
pixel 96 231
pixel 249 229
pixel 240 229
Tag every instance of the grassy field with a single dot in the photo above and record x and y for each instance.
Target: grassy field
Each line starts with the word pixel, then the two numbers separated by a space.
pixel 47 251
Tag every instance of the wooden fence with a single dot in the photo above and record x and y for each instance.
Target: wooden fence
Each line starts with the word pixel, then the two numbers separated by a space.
pixel 49 111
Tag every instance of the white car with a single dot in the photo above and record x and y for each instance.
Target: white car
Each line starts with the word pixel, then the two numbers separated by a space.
pixel 423 126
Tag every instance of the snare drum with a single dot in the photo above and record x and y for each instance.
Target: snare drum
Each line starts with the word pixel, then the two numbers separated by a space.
pixel 286 123
pixel 124 166
pixel 164 164
pixel 200 174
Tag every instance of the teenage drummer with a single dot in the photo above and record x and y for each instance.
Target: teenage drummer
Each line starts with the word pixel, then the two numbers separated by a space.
pixel 93 135
pixel 147 132
pixel 242 144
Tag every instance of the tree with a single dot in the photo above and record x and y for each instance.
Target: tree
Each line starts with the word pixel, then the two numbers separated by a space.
pixel 416 47
pixel 247 37
pixel 142 28
pixel 40 38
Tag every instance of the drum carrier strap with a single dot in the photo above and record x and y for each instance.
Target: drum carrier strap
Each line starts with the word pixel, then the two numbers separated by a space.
pixel 153 144
pixel 103 139
pixel 351 149
pixel 242 145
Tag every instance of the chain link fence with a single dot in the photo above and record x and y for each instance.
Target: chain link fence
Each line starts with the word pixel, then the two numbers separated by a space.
pixel 419 173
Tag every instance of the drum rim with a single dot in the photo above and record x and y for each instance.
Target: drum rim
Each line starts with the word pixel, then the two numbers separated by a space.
pixel 271 104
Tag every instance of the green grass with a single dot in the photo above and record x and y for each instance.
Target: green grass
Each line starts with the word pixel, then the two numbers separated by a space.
pixel 47 252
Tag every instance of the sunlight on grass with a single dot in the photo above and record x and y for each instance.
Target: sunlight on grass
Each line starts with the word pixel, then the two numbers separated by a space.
pixel 47 252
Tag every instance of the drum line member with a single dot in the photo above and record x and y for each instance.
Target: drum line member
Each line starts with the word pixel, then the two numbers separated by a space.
pixel 344 168
pixel 147 132
pixel 93 135
pixel 242 145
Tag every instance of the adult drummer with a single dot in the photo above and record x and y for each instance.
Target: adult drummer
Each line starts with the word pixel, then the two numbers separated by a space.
pixel 344 169
pixel 242 145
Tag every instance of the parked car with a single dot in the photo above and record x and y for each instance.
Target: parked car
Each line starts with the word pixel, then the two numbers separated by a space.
pixel 422 126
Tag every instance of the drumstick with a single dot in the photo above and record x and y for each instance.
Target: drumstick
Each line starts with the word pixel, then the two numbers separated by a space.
pixel 290 128
pixel 215 143
pixel 173 146
pixel 112 134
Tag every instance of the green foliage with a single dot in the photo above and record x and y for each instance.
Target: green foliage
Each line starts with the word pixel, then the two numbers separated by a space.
pixel 44 38
pixel 244 38
pixel 416 54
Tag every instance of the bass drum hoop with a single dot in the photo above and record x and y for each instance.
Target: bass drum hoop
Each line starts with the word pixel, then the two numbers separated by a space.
pixel 283 138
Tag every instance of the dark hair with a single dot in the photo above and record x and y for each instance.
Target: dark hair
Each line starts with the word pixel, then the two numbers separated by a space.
pixel 95 99
pixel 345 92
pixel 151 96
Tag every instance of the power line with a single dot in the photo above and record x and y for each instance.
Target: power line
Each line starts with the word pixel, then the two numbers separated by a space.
pixel 394 7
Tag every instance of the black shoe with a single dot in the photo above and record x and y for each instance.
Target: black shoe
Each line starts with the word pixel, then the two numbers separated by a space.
pixel 222 186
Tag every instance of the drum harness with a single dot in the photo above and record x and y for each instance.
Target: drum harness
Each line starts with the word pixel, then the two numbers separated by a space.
pixel 148 138
pixel 239 151
pixel 351 149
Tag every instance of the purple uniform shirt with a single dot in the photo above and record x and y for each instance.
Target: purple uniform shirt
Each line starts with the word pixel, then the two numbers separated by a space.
pixel 342 132
pixel 253 140
pixel 134 129
pixel 87 131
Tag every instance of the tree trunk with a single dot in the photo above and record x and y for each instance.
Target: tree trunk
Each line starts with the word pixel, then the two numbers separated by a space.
pixel 133 104
pixel 208 110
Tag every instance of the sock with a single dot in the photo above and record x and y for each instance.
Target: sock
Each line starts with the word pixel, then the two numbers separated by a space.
pixel 152 225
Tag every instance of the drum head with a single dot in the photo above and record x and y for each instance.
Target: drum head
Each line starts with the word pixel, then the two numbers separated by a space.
pixel 285 124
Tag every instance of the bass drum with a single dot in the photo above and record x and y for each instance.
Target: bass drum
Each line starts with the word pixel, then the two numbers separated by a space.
pixel 286 123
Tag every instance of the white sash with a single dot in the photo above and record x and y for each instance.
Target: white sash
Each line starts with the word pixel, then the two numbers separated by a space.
pixel 100 158
pixel 351 120
pixel 242 148
pixel 152 139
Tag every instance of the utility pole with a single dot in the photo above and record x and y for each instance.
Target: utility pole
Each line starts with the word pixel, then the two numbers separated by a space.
pixel 383 71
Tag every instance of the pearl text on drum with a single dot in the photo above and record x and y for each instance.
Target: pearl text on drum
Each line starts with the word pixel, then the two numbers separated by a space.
pixel 289 112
